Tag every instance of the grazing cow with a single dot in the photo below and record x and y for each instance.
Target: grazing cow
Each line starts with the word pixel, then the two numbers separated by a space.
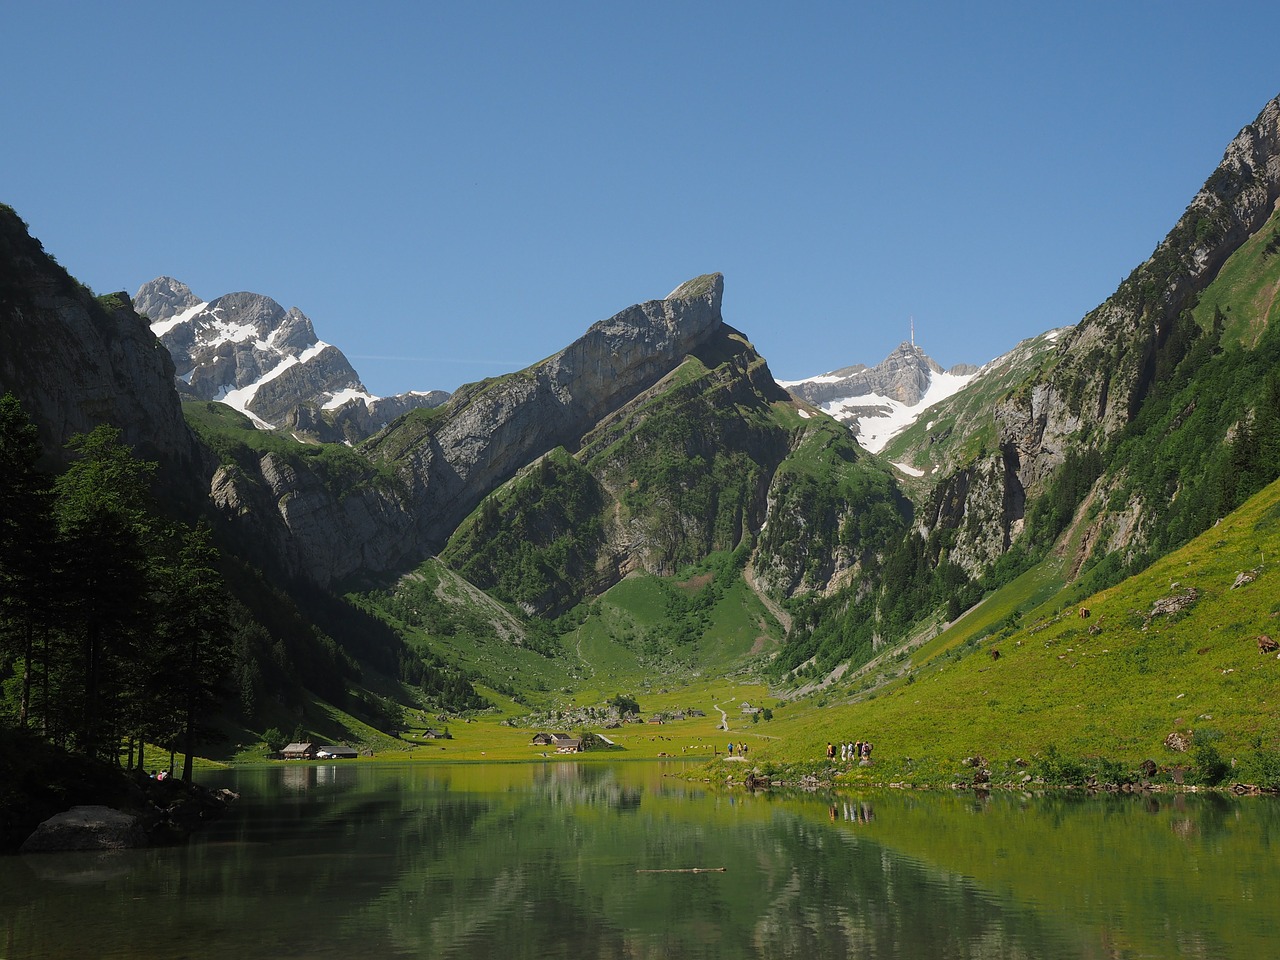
pixel 1084 613
pixel 1267 645
pixel 995 654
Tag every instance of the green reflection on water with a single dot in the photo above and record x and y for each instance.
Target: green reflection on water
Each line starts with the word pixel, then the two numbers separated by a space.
pixel 516 861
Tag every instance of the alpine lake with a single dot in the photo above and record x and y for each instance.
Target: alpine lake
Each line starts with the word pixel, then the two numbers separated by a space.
pixel 631 860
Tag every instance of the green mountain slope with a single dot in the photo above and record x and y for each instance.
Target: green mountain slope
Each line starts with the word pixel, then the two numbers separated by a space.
pixel 1127 435
pixel 701 463
pixel 1171 655
pixel 666 542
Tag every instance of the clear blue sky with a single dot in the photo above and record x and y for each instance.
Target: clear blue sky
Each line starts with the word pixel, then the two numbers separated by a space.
pixel 452 191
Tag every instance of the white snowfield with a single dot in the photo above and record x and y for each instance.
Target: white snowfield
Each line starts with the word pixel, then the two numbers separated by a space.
pixel 164 326
pixel 875 430
pixel 343 397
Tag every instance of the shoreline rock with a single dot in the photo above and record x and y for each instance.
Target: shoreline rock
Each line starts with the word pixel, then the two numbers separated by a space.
pixel 169 812
pixel 86 828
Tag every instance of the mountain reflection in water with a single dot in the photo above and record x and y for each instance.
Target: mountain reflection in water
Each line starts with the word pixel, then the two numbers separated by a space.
pixel 569 859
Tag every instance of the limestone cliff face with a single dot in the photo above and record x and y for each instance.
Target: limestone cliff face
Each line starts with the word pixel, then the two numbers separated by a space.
pixel 1100 371
pixel 1106 363
pixel 244 347
pixel 164 298
pixel 76 361
pixel 983 504
pixel 489 430
pixel 303 528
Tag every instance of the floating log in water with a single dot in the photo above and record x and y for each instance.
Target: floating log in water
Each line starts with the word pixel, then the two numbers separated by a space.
pixel 687 870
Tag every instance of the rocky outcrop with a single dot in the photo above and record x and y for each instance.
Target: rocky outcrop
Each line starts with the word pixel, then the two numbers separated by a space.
pixel 76 361
pixel 164 298
pixel 904 375
pixel 283 511
pixel 488 430
pixel 1106 363
pixel 984 504
pixel 324 374
pixel 165 812
pixel 879 402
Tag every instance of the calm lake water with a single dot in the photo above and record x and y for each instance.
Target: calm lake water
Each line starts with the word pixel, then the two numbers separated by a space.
pixel 575 860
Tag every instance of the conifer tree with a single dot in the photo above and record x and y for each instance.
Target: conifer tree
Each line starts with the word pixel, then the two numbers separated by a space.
pixel 26 535
pixel 197 639
pixel 106 535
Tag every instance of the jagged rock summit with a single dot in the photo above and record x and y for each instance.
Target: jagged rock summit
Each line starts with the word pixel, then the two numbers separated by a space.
pixel 247 351
pixel 435 466
pixel 879 402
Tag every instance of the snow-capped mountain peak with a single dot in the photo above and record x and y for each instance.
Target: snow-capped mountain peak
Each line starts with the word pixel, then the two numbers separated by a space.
pixel 879 402
pixel 247 351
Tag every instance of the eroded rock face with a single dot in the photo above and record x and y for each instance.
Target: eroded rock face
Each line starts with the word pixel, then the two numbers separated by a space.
pixel 87 828
pixel 164 298
pixel 489 430
pixel 312 531
pixel 1106 362
pixel 983 504
pixel 1104 366
pixel 904 375
pixel 75 361
pixel 246 350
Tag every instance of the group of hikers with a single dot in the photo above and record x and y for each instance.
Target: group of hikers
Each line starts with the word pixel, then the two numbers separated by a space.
pixel 859 750
pixel 741 747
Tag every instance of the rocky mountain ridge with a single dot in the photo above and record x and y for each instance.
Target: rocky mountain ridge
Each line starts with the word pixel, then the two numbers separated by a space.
pixel 1099 374
pixel 1107 362
pixel 427 470
pixel 246 350
pixel 487 431
pixel 76 360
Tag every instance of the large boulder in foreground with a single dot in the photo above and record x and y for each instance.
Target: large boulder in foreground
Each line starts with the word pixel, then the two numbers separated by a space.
pixel 86 828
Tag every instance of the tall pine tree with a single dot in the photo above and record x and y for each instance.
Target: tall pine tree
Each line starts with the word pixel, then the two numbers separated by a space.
pixel 107 533
pixel 26 537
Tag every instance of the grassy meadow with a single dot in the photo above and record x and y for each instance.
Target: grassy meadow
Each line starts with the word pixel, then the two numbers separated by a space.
pixel 1023 681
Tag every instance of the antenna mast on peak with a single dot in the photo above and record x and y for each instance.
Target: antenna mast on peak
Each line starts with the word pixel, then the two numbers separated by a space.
pixel 913 330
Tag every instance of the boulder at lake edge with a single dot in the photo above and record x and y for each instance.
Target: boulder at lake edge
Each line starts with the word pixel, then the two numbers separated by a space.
pixel 86 828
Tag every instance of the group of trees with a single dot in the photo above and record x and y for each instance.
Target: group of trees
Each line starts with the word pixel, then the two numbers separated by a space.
pixel 113 625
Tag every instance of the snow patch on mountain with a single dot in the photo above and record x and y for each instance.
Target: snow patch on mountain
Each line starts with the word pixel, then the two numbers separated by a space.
pixel 876 429
pixel 247 351
pixel 878 402
pixel 351 394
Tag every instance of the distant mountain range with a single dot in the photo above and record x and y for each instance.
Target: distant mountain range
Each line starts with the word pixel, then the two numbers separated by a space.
pixel 247 351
